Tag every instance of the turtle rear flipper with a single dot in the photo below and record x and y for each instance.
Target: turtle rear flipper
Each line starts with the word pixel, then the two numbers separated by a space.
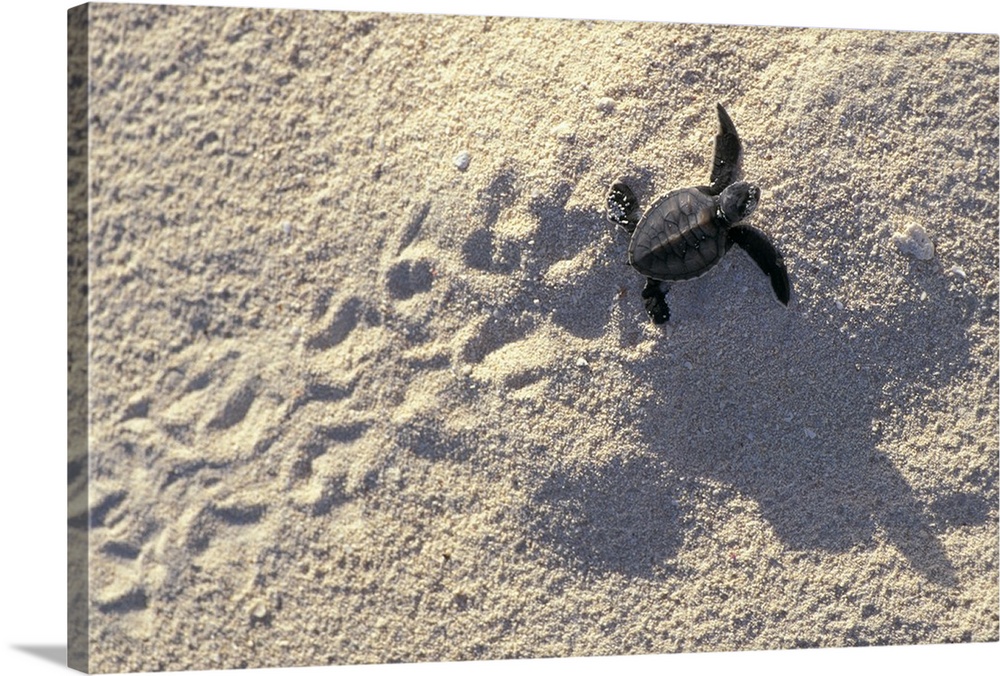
pixel 727 152
pixel 623 207
pixel 763 253
pixel 654 298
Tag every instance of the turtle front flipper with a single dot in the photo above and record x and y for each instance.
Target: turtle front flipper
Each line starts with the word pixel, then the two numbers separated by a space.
pixel 727 152
pixel 654 298
pixel 763 253
pixel 623 207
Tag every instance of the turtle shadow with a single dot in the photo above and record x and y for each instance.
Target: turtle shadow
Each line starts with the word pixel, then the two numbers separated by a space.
pixel 814 466
pixel 789 418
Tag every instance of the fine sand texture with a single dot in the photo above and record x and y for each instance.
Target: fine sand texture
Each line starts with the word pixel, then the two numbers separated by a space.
pixel 370 378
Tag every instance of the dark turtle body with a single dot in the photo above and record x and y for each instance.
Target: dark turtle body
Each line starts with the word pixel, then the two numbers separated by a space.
pixel 688 231
pixel 678 237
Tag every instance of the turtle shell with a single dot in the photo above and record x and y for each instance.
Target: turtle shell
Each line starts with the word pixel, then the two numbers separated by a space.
pixel 678 237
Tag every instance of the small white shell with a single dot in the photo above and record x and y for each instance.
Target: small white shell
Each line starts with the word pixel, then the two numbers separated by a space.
pixel 912 240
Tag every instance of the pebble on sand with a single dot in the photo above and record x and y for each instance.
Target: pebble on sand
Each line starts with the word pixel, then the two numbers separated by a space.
pixel 912 240
pixel 564 131
pixel 462 160
pixel 258 611
pixel 606 105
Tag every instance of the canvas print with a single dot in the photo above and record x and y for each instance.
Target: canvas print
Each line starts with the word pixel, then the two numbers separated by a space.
pixel 404 338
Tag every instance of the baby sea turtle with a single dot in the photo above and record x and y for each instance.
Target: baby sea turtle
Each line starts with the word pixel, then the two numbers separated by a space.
pixel 688 231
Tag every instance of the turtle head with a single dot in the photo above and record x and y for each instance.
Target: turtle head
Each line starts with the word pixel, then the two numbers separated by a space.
pixel 738 201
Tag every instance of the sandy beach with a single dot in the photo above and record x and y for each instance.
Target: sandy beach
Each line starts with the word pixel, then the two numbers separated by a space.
pixel 371 379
